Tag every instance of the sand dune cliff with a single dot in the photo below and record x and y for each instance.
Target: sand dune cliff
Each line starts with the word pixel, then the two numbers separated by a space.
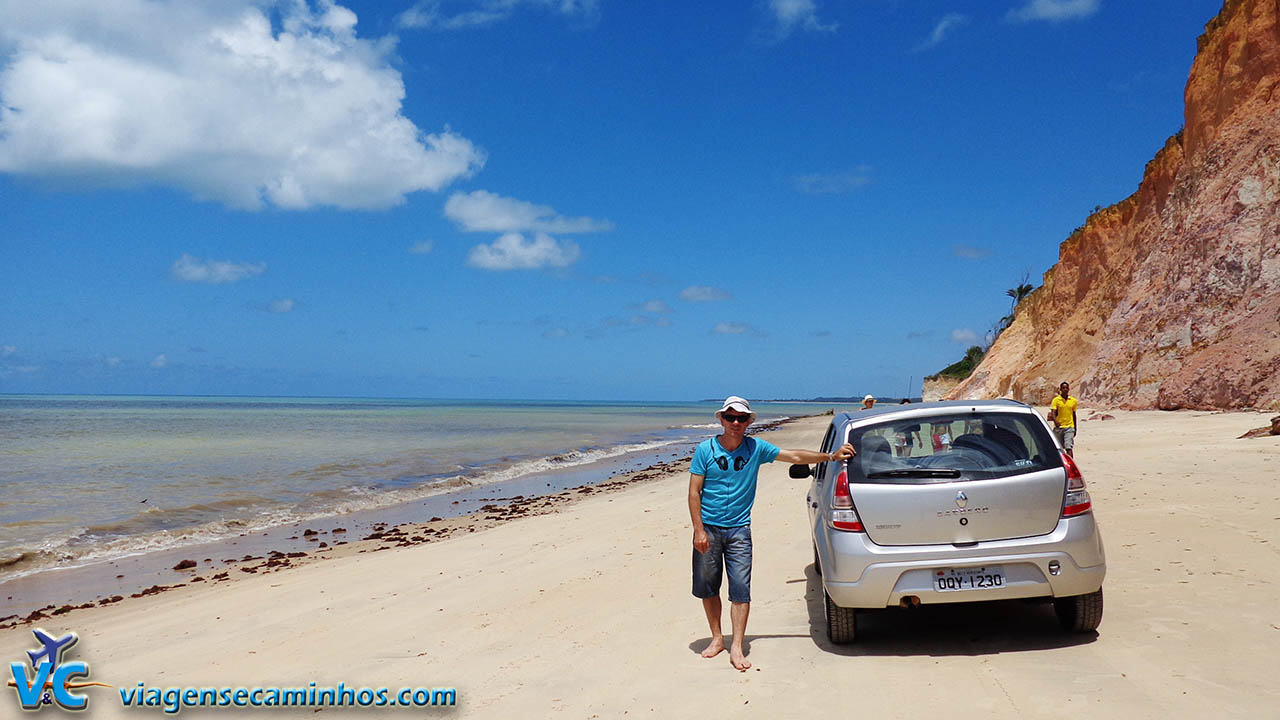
pixel 1171 298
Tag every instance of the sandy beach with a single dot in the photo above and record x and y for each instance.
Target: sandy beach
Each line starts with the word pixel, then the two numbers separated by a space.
pixel 584 610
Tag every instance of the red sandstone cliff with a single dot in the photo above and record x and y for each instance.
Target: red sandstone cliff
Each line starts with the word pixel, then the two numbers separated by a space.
pixel 1171 297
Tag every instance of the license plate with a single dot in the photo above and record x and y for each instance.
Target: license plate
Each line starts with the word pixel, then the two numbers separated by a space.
pixel 971 578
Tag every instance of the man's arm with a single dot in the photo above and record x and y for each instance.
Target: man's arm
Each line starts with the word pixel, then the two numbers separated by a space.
pixel 809 457
pixel 700 541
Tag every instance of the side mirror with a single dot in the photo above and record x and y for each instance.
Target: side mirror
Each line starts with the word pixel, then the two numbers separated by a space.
pixel 799 472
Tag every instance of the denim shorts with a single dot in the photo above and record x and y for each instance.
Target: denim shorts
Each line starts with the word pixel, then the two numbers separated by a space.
pixel 730 548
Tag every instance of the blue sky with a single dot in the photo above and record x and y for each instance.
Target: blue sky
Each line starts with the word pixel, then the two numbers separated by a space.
pixel 552 199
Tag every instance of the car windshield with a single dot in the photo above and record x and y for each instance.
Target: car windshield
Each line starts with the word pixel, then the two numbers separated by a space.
pixel 963 446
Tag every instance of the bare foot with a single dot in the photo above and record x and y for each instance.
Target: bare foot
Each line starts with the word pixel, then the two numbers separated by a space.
pixel 715 648
pixel 739 660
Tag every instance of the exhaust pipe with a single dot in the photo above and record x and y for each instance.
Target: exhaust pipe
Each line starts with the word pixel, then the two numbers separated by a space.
pixel 909 601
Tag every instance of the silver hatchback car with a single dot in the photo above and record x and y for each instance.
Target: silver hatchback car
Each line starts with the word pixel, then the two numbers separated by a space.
pixel 952 502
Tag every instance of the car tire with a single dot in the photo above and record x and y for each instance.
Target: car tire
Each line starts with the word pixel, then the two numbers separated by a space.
pixel 842 622
pixel 817 566
pixel 1080 613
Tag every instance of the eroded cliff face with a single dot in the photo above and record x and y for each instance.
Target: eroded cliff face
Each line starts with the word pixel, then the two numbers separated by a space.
pixel 937 388
pixel 1171 298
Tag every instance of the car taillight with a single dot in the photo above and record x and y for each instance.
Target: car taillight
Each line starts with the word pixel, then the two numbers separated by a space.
pixel 1077 501
pixel 843 516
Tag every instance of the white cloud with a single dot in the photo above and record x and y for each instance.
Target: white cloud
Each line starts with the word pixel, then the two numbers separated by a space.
pixel 614 321
pixel 655 306
pixel 189 268
pixel 839 183
pixel 1054 10
pixel 220 104
pixel 421 15
pixel 19 370
pixel 482 211
pixel 159 361
pixel 964 336
pixel 422 248
pixel 555 333
pixel 704 293
pixel 790 15
pixel 513 252
pixel 731 328
pixel 969 252
pixel 945 26
pixel 477 13
pixel 113 361
pixel 280 306
pixel 8 350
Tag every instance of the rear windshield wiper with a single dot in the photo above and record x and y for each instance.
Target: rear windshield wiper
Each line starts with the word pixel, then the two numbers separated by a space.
pixel 916 472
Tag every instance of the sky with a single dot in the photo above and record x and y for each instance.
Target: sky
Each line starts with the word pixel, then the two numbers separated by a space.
pixel 552 199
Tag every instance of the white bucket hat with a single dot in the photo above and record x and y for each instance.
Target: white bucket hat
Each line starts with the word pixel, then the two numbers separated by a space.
pixel 733 402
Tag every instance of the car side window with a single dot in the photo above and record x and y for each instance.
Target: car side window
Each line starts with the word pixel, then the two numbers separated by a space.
pixel 826 447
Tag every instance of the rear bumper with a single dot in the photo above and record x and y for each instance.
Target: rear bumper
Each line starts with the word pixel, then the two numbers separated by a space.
pixel 859 573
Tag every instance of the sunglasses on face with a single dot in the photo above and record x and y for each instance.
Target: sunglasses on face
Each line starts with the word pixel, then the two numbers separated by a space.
pixel 736 418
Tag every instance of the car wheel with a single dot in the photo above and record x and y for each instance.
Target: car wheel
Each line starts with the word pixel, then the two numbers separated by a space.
pixel 842 622
pixel 1080 613
pixel 817 566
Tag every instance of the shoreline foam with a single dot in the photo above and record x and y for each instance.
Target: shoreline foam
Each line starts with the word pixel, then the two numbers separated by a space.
pixel 87 545
pixel 466 507
pixel 85 472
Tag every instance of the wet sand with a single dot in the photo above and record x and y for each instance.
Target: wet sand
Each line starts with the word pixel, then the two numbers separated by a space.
pixel 467 508
pixel 54 593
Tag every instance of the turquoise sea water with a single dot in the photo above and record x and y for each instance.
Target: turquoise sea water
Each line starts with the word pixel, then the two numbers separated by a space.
pixel 84 478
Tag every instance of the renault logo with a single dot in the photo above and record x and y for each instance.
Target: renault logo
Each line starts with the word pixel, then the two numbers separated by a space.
pixel 961 499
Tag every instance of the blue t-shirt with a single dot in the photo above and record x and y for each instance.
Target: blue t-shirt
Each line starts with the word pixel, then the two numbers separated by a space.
pixel 729 488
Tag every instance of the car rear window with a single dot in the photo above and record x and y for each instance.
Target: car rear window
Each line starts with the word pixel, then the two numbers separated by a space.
pixel 947 448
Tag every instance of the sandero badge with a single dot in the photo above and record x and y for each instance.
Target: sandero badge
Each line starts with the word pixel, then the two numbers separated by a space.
pixel 53 679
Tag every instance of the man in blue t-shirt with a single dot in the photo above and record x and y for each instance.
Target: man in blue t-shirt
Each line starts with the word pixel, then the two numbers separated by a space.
pixel 722 489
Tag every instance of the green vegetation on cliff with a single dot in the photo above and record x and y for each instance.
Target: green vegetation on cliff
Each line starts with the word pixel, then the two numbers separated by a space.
pixel 964 368
pixel 961 370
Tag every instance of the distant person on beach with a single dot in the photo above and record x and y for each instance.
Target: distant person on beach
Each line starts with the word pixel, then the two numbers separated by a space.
pixel 722 490
pixel 868 402
pixel 1062 413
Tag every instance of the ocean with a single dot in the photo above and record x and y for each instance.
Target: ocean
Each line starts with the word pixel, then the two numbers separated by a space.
pixel 85 479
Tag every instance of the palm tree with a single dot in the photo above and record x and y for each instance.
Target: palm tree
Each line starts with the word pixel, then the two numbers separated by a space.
pixel 1018 294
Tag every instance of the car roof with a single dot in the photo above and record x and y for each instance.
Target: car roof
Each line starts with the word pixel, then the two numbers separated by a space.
pixel 925 409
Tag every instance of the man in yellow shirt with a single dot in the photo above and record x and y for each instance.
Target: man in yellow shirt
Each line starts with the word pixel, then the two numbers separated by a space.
pixel 1062 413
